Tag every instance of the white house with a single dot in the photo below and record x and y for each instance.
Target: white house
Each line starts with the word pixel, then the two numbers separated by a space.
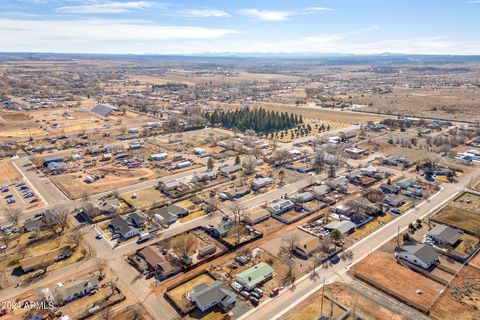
pixel 159 156
pixel 280 206
pixel 421 255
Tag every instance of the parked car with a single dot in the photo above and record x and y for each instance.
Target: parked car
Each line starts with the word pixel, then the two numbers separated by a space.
pixel 254 301
pixel 258 291
pixel 233 265
pixel 274 292
pixel 10 201
pixel 245 294
pixel 99 235
pixel 236 286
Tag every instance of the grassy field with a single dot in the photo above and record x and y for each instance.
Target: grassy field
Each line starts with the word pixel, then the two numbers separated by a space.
pixel 372 226
pixel 193 216
pixel 145 198
pixel 8 173
pixel 459 218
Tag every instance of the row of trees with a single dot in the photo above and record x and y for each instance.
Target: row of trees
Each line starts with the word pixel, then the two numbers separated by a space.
pixel 259 120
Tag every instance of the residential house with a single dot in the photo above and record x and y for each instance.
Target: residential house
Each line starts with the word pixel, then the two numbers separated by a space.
pixel 229 170
pixel 170 214
pixel 44 259
pixel 158 262
pixel 260 183
pixel 255 275
pixel 280 206
pixel 422 255
pixel 443 235
pixel 405 183
pixel 257 217
pixel 304 197
pixel 207 250
pixel 389 189
pixel 222 229
pixel 392 161
pixel 208 295
pixel 53 159
pixel 307 247
pixel 394 201
pixel 320 191
pixel 204 176
pixel 65 293
pixel 40 220
pixel 344 226
pixel 159 156
pixel 355 153
pixel 108 206
pixel 128 226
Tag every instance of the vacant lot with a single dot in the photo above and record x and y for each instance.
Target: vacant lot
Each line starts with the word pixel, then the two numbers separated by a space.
pixel 310 308
pixel 461 301
pixel 8 173
pixel 74 187
pixel 458 218
pixel 144 198
pixel 382 270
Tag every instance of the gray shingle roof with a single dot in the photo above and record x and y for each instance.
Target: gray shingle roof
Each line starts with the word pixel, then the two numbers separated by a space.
pixel 423 252
pixel 445 233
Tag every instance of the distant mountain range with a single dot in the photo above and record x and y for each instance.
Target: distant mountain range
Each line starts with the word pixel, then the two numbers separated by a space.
pixel 336 58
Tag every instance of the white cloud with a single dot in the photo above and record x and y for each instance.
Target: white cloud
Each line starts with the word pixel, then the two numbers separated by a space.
pixel 473 1
pixel 99 35
pixel 281 15
pixel 108 7
pixel 267 15
pixel 204 13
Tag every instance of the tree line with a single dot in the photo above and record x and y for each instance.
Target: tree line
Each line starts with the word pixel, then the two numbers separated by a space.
pixel 259 120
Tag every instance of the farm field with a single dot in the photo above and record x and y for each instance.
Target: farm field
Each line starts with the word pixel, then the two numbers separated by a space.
pixel 144 198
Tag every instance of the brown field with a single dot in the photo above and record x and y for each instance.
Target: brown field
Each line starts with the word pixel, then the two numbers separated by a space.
pixel 8 173
pixel 310 308
pixel 14 117
pixel 448 103
pixel 453 305
pixel 383 270
pixel 459 218
pixel 475 262
pixel 74 187
pixel 320 113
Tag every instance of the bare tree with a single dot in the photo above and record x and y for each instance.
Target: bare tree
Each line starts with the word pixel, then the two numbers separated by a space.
pixel 237 231
pixel 281 156
pixel 13 215
pixel 76 237
pixel 185 243
pixel 249 164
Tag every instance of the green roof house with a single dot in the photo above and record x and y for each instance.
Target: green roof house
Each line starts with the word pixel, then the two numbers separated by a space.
pixel 254 276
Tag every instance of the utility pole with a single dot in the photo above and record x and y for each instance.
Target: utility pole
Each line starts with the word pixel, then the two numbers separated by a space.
pixel 323 291
pixel 398 236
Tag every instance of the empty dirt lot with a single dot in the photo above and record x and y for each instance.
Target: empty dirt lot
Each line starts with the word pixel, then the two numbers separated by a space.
pixel 382 270
pixel 461 301
pixel 8 173
pixel 74 187
pixel 309 309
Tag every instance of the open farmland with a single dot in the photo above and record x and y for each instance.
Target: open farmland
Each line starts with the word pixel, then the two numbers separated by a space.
pixel 383 272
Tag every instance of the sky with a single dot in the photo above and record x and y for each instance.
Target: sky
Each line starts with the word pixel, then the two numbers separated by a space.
pixel 247 26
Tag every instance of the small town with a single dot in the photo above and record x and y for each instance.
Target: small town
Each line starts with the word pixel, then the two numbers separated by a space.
pixel 231 185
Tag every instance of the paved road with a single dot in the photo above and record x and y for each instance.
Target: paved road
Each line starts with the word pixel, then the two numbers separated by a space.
pixel 274 308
